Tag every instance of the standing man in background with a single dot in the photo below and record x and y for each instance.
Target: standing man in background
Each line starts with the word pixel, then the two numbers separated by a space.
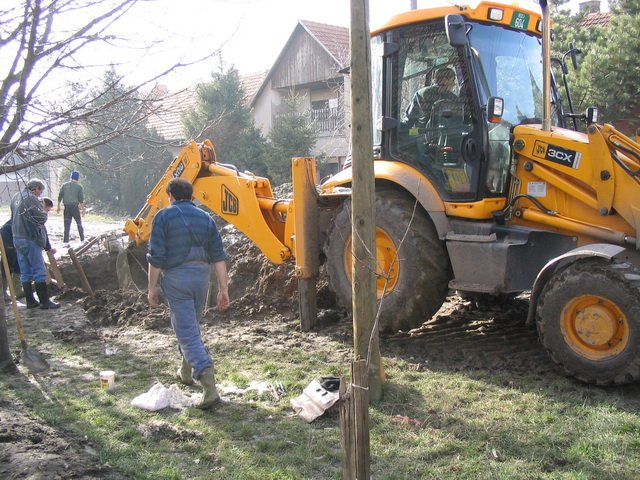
pixel 72 196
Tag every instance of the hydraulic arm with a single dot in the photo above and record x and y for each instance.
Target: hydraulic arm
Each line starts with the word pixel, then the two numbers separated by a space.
pixel 244 200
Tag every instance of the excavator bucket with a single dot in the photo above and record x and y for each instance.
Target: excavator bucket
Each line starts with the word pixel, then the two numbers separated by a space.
pixel 131 268
pixel 125 279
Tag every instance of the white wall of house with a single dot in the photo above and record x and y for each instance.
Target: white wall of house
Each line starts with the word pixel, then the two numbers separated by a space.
pixel 262 109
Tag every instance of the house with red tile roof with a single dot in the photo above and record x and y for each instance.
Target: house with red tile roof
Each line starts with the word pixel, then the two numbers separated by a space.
pixel 310 66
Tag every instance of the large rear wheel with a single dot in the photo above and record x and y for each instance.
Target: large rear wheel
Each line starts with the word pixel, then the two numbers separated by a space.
pixel 413 269
pixel 588 319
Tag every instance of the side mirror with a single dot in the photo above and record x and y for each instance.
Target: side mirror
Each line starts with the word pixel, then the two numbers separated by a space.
pixel 495 109
pixel 591 115
pixel 456 31
pixel 574 52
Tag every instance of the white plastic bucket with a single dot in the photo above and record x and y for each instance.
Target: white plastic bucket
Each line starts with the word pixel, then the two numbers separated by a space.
pixel 107 379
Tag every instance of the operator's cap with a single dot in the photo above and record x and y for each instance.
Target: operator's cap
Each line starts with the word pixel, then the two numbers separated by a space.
pixel 75 175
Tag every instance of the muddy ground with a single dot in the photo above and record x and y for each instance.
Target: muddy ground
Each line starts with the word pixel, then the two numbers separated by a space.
pixel 486 336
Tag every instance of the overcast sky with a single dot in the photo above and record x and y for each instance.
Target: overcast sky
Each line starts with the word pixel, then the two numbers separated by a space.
pixel 250 33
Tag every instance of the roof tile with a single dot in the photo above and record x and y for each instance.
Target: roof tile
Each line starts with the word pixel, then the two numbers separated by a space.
pixel 335 39
pixel 597 19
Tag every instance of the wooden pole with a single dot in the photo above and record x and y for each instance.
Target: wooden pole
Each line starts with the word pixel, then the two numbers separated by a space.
pixel 360 393
pixel 57 274
pixel 91 242
pixel 307 303
pixel 366 369
pixel 347 437
pixel 6 360
pixel 354 423
pixel 7 364
pixel 305 203
pixel 365 332
pixel 83 278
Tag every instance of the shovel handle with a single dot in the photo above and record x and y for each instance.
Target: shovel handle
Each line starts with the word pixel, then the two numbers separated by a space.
pixel 55 269
pixel 14 303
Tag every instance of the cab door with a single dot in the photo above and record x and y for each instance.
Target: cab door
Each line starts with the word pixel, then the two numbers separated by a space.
pixel 434 130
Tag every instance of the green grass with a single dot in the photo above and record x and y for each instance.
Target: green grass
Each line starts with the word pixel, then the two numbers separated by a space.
pixel 474 424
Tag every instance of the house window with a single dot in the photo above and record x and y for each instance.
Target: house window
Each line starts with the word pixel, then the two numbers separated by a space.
pixel 325 115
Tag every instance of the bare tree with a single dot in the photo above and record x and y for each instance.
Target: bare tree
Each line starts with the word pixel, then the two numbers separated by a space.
pixel 41 42
pixel 47 106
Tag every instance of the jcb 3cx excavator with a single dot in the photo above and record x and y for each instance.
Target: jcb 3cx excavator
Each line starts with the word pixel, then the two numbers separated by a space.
pixel 487 191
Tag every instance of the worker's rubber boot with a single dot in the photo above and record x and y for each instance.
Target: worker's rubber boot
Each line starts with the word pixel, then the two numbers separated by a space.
pixel 45 302
pixel 184 373
pixel 28 295
pixel 17 285
pixel 208 382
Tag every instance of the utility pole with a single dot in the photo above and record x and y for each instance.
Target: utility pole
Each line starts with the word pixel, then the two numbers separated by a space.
pixel 366 369
pixel 363 244
pixel 366 376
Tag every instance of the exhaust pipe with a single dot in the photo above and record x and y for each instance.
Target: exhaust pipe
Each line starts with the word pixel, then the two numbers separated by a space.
pixel 546 66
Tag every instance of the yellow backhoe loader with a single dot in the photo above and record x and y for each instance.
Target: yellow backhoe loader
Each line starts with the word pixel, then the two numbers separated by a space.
pixel 485 191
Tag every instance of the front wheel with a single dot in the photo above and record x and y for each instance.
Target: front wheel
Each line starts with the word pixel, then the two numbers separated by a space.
pixel 588 318
pixel 413 269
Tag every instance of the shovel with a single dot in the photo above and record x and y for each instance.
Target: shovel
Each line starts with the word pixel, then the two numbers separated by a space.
pixel 34 361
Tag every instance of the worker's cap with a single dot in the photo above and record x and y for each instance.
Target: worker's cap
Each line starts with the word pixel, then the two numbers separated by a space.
pixel 75 175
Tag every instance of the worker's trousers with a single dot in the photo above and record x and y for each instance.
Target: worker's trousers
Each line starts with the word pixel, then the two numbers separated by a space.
pixel 185 288
pixel 30 259
pixel 72 212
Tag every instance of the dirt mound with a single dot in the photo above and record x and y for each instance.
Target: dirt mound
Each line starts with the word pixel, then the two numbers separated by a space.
pixel 256 286
pixel 124 308
pixel 251 272
pixel 68 293
pixel 159 430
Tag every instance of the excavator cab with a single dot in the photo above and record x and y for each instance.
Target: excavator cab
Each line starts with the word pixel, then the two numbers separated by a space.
pixel 464 153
